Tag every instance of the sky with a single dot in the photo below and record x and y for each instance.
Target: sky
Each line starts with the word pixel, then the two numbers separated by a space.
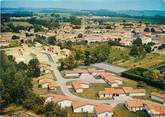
pixel 88 4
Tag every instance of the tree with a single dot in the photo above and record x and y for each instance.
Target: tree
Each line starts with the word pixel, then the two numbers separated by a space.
pixel 134 51
pixel 15 37
pixel 34 70
pixel 153 30
pixel 146 29
pixel 80 35
pixel 52 40
pixel 138 41
pixel 156 74
pixel 87 60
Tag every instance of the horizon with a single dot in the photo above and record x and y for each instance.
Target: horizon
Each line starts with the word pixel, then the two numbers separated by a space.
pixel 112 5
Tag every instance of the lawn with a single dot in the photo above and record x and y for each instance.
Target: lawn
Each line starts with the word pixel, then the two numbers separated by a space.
pixel 146 62
pixel 121 111
pixel 92 91
pixel 20 23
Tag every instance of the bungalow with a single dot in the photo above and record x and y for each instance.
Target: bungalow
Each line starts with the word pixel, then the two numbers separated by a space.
pixel 46 81
pixel 112 80
pixel 129 91
pixel 62 101
pixel 111 93
pixel 135 105
pixel 79 85
pixel 83 106
pixel 71 74
pixel 103 111
pixel 155 110
pixel 160 97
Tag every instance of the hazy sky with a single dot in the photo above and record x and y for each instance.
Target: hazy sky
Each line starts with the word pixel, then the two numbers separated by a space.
pixel 88 4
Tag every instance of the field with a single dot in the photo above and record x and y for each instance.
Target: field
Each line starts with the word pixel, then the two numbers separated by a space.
pixel 121 111
pixel 148 61
pixel 92 91
pixel 21 23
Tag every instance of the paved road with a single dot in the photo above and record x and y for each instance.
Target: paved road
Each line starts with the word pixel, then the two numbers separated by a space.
pixel 109 67
pixel 62 83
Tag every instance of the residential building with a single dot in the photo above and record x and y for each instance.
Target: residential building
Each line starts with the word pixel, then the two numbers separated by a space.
pixel 135 105
pixel 129 91
pixel 160 97
pixel 79 85
pixel 103 111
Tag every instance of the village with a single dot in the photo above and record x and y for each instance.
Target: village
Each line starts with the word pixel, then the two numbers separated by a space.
pixel 71 79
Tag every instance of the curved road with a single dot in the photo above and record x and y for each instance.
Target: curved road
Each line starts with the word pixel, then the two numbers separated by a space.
pixel 62 83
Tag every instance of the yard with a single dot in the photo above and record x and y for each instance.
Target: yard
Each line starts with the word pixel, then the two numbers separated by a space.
pixel 121 111
pixel 92 91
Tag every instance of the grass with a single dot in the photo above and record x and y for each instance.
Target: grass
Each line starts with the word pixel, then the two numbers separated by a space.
pixel 20 23
pixel 92 91
pixel 121 111
pixel 146 62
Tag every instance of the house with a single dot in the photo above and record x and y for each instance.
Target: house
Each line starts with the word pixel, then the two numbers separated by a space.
pixel 71 74
pixel 111 93
pixel 44 68
pixel 155 110
pixel 160 97
pixel 61 100
pixel 112 80
pixel 129 91
pixel 83 106
pixel 103 111
pixel 79 85
pixel 135 105
pixel 46 81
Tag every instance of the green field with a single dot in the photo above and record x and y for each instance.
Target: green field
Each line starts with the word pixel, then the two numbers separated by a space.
pixel 146 62
pixel 122 111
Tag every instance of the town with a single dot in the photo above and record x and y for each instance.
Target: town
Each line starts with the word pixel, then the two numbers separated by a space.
pixel 60 65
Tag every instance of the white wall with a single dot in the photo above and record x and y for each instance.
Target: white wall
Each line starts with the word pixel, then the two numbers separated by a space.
pixel 137 94
pixel 84 85
pixel 72 75
pixel 87 108
pixel 157 99
pixel 65 103
pixel 44 85
pixel 79 90
pixel 105 114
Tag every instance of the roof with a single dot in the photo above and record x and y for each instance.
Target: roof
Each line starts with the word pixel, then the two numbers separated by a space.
pixel 160 95
pixel 56 98
pixel 77 84
pixel 112 91
pixel 156 109
pixel 48 76
pixel 81 103
pixel 135 103
pixel 109 77
pixel 103 108
pixel 131 90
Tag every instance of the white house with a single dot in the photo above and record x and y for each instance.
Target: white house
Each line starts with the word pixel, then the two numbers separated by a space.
pixel 62 101
pixel 79 85
pixel 103 111
pixel 135 105
pixel 83 106
pixel 160 97
pixel 44 68
pixel 71 74
pixel 111 93
pixel 129 91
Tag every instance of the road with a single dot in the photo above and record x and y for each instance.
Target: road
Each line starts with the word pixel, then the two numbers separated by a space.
pixel 62 83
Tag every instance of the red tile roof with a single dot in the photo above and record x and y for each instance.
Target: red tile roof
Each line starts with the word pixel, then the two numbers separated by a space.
pixel 102 108
pixel 156 109
pixel 135 103
pixel 77 84
pixel 160 95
